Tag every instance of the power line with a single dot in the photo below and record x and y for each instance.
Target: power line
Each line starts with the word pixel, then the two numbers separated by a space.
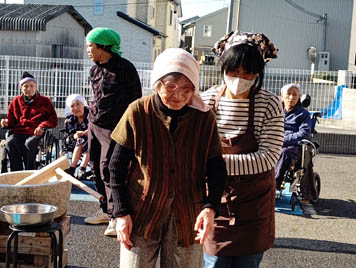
pixel 323 18
pixel 147 2
pixel 302 9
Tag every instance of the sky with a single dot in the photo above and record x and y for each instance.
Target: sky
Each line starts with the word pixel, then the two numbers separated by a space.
pixel 12 1
pixel 190 8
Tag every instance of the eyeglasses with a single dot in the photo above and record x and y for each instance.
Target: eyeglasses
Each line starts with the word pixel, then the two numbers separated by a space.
pixel 171 86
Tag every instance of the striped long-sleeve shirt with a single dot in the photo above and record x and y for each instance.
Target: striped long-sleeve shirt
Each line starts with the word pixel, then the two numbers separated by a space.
pixel 232 119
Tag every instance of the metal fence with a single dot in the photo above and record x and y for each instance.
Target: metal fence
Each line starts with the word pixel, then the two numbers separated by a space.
pixel 58 78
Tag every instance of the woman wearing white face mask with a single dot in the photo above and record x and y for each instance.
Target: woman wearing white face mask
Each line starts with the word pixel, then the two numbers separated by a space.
pixel 250 125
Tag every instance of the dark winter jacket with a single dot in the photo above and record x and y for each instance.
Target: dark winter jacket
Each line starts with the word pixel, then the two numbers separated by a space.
pixel 71 126
pixel 297 125
pixel 25 118
pixel 115 85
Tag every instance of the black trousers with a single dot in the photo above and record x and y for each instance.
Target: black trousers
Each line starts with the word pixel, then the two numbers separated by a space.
pixel 22 149
pixel 101 147
pixel 287 154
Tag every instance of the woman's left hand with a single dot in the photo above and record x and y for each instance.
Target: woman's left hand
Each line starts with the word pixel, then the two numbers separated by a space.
pixel 204 224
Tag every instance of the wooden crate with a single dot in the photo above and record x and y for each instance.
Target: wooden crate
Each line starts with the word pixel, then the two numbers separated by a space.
pixel 34 249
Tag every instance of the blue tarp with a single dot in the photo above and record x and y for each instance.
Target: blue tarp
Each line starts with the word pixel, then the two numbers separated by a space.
pixel 334 109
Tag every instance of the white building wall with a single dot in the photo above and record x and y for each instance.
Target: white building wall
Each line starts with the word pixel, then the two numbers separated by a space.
pixel 162 23
pixel 173 30
pixel 294 32
pixel 63 30
pixel 352 54
pixel 18 43
pixel 139 40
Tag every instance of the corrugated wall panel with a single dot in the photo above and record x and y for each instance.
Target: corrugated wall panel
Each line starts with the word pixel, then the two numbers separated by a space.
pixel 294 31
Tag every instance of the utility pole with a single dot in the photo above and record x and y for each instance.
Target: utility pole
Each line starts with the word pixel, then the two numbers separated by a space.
pixel 325 23
pixel 230 16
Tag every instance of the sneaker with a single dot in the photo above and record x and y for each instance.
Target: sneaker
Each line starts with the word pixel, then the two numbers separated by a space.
pixel 98 218
pixel 111 229
pixel 82 175
pixel 70 170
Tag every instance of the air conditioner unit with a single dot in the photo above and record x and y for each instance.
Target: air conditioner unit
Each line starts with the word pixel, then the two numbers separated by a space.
pixel 324 60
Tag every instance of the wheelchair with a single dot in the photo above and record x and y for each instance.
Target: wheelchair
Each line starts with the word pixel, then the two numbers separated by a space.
pixel 66 150
pixel 48 151
pixel 305 184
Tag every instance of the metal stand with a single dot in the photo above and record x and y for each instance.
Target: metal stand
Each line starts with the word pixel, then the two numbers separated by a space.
pixel 50 228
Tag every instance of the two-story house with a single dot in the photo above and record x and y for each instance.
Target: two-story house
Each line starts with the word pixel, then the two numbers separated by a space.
pixel 199 34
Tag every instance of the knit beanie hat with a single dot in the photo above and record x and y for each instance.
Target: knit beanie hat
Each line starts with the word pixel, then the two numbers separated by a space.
pixel 105 37
pixel 177 60
pixel 25 78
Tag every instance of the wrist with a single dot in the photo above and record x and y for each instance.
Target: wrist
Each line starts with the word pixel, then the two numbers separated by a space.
pixel 210 211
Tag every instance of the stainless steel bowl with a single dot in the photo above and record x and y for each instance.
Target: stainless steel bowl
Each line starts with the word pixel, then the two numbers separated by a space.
pixel 28 214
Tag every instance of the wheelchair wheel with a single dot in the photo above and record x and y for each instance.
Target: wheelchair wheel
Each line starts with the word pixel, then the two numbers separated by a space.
pixel 4 162
pixel 52 150
pixel 316 179
pixel 293 201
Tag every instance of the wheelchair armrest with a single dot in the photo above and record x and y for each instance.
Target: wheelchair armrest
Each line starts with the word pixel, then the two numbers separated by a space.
pixel 306 141
pixel 316 114
pixel 316 144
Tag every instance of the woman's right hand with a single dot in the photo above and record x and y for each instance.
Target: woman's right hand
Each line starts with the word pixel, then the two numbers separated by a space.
pixel 78 134
pixel 4 122
pixel 123 230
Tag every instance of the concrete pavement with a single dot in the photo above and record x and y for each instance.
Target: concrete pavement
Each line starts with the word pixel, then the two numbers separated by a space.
pixel 325 239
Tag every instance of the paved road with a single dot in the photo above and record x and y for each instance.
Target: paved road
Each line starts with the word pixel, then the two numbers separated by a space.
pixel 325 239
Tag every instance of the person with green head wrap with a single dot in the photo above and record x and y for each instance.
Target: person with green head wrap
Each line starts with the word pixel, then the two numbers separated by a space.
pixel 115 84
pixel 105 37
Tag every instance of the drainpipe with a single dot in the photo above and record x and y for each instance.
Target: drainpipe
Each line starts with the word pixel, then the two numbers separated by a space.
pixel 237 15
pixel 230 16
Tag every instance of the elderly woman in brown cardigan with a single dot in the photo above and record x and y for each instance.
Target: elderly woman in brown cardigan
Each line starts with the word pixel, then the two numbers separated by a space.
pixel 167 170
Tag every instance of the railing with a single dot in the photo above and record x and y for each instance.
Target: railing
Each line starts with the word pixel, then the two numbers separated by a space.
pixel 58 78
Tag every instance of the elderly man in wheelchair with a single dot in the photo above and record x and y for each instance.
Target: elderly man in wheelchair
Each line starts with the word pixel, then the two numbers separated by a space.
pixel 29 115
pixel 297 127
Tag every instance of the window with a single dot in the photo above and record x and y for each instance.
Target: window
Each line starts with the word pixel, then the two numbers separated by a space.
pixel 98 7
pixel 152 12
pixel 57 51
pixel 170 17
pixel 207 30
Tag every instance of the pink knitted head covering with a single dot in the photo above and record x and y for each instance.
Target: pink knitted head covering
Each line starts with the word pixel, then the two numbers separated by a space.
pixel 177 60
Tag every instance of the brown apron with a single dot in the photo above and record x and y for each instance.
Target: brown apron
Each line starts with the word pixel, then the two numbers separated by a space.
pixel 246 217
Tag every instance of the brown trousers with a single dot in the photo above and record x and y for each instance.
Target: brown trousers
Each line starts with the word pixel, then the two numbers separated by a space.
pixel 145 252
